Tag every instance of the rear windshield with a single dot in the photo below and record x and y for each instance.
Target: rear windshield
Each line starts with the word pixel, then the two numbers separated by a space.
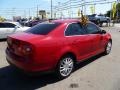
pixel 42 28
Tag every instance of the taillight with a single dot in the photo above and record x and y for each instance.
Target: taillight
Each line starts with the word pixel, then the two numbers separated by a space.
pixel 24 50
pixel 20 48
pixel 9 41
pixel 27 50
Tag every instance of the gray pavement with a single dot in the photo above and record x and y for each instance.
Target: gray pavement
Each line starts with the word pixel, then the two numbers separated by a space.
pixel 117 25
pixel 97 73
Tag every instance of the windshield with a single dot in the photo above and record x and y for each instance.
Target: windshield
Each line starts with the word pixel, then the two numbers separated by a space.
pixel 18 24
pixel 43 28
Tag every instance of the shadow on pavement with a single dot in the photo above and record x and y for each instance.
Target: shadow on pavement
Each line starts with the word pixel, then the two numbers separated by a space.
pixel 88 61
pixel 12 80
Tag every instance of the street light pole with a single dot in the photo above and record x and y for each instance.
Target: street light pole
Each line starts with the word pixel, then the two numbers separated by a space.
pixel 51 9
pixel 37 11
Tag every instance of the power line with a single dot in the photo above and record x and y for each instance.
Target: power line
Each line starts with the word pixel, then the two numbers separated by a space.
pixel 80 4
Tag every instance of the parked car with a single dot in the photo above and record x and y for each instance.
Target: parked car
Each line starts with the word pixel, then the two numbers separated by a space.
pixel 103 19
pixel 7 28
pixel 98 19
pixel 56 46
pixel 93 19
pixel 34 22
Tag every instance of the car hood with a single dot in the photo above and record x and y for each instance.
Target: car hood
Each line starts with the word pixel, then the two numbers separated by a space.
pixel 24 28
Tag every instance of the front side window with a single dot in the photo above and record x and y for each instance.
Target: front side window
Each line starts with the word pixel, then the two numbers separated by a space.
pixel 92 29
pixel 43 28
pixel 74 29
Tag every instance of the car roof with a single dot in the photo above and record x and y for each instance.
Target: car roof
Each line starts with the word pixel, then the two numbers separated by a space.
pixel 66 20
pixel 9 22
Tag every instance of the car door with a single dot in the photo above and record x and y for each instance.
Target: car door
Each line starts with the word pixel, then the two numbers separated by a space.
pixel 10 28
pixel 2 30
pixel 94 33
pixel 78 40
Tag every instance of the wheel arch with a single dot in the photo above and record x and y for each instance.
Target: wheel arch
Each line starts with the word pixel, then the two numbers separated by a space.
pixel 67 54
pixel 110 40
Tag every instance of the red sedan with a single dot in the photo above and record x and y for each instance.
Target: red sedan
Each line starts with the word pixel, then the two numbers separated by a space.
pixel 57 45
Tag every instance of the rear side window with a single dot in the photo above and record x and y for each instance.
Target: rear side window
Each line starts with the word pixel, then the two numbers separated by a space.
pixel 43 28
pixel 2 25
pixel 9 25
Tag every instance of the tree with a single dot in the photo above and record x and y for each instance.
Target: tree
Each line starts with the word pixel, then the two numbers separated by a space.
pixel 117 13
pixel 118 6
pixel 118 10
pixel 2 19
pixel 108 14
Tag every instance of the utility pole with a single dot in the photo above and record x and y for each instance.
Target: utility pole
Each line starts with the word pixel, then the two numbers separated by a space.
pixel 24 13
pixel 37 11
pixel 36 6
pixel 84 7
pixel 51 9
pixel 94 8
pixel 111 12
pixel 59 10
pixel 117 9
pixel 29 12
pixel 13 11
pixel 70 10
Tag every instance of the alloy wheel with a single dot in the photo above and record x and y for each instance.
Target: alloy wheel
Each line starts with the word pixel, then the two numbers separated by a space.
pixel 66 66
pixel 108 48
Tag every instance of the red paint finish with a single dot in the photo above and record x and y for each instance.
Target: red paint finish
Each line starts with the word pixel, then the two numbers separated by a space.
pixel 33 52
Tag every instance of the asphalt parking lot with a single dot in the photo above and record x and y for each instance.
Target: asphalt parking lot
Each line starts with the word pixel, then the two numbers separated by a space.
pixel 97 73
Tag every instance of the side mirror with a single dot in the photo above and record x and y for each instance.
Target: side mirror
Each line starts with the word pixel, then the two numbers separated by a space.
pixel 103 32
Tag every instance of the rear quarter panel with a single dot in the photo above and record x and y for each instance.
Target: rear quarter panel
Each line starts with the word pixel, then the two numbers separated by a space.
pixel 49 52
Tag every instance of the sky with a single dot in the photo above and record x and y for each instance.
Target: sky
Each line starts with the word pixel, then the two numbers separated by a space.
pixel 26 8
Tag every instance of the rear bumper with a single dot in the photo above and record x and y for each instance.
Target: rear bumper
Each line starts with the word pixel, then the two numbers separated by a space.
pixel 24 65
pixel 31 73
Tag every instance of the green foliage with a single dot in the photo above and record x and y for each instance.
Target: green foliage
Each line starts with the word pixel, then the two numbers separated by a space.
pixel 118 6
pixel 2 19
pixel 110 12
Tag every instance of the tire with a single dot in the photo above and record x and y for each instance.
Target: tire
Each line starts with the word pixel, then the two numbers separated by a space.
pixel 108 20
pixel 65 67
pixel 98 22
pixel 108 47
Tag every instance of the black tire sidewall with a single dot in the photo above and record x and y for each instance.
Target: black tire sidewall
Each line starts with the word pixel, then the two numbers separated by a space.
pixel 105 52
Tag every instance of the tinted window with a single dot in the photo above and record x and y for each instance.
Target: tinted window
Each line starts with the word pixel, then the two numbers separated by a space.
pixel 9 25
pixel 92 29
pixel 43 28
pixel 2 25
pixel 74 29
